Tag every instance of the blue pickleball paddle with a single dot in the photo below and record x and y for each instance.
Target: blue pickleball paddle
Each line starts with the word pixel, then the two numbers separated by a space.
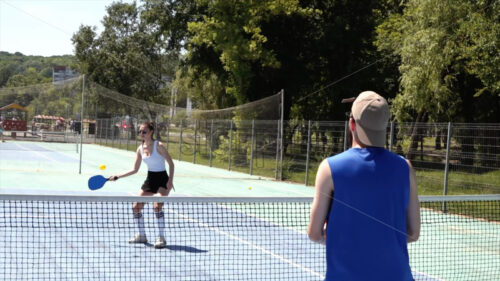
pixel 97 182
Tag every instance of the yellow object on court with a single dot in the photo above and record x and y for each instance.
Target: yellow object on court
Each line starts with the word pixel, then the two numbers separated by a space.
pixel 250 188
pixel 102 167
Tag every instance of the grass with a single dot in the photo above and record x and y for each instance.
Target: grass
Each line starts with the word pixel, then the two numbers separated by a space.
pixel 430 182
pixel 459 183
pixel 487 210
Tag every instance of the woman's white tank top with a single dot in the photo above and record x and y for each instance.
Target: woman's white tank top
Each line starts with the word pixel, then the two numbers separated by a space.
pixel 155 162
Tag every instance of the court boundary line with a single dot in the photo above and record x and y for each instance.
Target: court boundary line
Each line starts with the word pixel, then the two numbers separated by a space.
pixel 23 148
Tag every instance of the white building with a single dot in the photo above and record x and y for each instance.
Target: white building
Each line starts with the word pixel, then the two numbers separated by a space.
pixel 61 73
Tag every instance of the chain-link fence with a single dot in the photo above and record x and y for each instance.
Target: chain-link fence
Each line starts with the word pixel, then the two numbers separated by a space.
pixel 449 158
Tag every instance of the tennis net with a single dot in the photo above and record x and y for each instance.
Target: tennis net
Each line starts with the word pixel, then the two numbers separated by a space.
pixel 86 238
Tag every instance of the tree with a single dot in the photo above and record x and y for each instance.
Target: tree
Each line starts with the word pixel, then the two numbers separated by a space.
pixel 127 57
pixel 448 71
pixel 233 30
pixel 257 48
pixel 449 63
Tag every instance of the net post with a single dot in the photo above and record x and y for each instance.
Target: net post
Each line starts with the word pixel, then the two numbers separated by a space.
pixel 81 124
pixel 447 164
pixel 230 145
pixel 308 151
pixel 251 146
pixel 195 139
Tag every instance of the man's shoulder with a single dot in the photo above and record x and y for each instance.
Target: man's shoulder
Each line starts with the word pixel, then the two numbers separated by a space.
pixel 343 154
pixel 340 158
pixel 396 156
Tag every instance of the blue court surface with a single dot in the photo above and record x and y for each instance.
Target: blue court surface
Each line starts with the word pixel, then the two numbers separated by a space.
pixel 204 242
pixel 87 240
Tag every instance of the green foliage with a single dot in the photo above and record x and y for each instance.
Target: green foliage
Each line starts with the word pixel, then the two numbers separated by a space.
pixel 30 76
pixel 447 60
pixel 222 152
pixel 128 56
pixel 18 70
pixel 204 88
pixel 233 30
pixel 435 60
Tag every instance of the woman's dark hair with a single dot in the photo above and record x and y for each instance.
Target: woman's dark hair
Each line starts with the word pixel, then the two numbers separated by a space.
pixel 151 127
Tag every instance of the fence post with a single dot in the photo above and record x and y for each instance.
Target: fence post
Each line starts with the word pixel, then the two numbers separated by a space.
pixel 308 151
pixel 211 141
pixel 282 114
pixel 81 123
pixel 447 164
pixel 113 141
pixel 180 142
pixel 135 130
pixel 100 132
pixel 277 151
pixel 391 136
pixel 168 132
pixel 251 146
pixel 346 131
pixel 128 135
pixel 106 130
pixel 282 139
pixel 230 145
pixel 95 118
pixel 195 139
pixel 120 137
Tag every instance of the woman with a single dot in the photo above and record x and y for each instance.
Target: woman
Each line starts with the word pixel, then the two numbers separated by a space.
pixel 154 154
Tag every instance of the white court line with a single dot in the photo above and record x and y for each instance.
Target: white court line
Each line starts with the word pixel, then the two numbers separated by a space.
pixel 24 148
pixel 425 276
pixel 262 219
pixel 248 243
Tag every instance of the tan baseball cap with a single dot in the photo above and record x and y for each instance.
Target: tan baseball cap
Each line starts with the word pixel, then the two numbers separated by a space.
pixel 371 114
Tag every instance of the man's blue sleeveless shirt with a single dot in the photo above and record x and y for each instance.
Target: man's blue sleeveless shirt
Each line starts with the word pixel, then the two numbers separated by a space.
pixel 366 230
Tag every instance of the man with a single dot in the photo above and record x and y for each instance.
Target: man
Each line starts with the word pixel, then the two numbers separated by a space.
pixel 374 210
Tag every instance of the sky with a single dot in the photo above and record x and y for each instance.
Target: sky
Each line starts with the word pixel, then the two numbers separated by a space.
pixel 45 27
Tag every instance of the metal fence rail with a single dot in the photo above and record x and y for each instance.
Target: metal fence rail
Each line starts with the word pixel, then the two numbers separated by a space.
pixel 449 158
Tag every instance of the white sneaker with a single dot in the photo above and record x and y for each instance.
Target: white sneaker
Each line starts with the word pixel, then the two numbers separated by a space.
pixel 138 238
pixel 160 243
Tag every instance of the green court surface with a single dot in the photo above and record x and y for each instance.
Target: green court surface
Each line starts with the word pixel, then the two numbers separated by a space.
pixel 53 168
